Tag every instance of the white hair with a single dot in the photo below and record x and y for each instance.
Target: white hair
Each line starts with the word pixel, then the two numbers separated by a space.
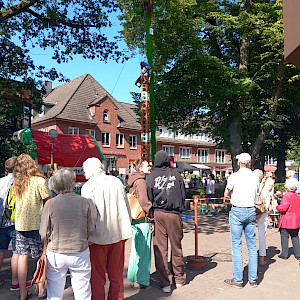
pixel 291 185
pixel 290 174
pixel 92 166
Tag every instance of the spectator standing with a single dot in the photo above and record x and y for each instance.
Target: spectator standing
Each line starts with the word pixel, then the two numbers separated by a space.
pixel 290 219
pixel 31 190
pixel 7 227
pixel 292 174
pixel 210 192
pixel 242 186
pixel 167 193
pixel 113 228
pixel 266 189
pixel 140 255
pixel 72 219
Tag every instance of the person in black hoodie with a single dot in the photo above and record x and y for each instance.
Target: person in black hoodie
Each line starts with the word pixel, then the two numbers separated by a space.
pixel 167 194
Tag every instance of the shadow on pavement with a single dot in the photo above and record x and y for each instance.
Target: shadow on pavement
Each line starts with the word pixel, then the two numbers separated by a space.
pixel 271 252
pixel 154 292
pixel 207 224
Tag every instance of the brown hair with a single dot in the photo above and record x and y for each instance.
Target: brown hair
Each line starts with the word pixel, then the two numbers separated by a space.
pixel 138 164
pixel 10 163
pixel 25 168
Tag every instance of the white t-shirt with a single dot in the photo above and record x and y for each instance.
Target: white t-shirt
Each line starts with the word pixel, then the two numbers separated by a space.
pixel 244 185
pixel 210 185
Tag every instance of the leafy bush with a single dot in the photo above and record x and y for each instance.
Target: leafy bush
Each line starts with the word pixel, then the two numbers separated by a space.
pixel 193 192
pixel 279 187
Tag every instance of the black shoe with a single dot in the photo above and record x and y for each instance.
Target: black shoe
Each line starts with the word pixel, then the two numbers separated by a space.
pixel 283 257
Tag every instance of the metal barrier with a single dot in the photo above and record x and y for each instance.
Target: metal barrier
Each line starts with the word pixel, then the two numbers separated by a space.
pixel 202 203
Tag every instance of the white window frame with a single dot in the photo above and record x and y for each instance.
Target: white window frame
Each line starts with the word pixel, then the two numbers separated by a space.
pixel 200 157
pixel 218 156
pixel 73 130
pixel 90 132
pixel 107 135
pixel 132 141
pixel 105 116
pixel 184 148
pixel 170 153
pixel 119 139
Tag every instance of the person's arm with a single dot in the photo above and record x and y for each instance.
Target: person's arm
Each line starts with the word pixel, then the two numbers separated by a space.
pixel 44 221
pixel 149 190
pixel 182 190
pixel 141 193
pixel 93 214
pixel 227 194
pixel 285 204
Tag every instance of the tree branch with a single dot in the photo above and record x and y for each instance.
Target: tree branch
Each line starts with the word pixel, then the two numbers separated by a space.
pixel 59 21
pixel 14 10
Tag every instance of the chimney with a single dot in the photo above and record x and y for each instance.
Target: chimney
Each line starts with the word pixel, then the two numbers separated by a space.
pixel 48 88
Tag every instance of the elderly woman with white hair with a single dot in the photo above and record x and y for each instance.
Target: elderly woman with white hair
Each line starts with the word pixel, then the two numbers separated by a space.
pixel 290 219
pixel 72 219
pixel 113 228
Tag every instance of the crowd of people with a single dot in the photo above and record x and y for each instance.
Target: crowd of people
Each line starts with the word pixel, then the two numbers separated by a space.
pixel 86 233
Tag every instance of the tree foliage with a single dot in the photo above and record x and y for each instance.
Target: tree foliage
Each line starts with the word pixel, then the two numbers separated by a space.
pixel 68 27
pixel 219 66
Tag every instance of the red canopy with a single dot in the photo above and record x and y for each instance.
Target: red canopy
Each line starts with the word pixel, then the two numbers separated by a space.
pixel 270 168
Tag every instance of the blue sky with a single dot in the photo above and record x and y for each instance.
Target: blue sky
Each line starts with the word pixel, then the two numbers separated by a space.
pixel 117 78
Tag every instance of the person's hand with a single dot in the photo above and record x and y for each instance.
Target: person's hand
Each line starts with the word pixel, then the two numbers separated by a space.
pixel 152 227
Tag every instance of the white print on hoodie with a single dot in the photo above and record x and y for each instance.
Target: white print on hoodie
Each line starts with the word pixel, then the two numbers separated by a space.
pixel 160 182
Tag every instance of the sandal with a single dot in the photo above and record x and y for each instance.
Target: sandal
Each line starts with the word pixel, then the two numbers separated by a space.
pixel 263 264
pixel 43 297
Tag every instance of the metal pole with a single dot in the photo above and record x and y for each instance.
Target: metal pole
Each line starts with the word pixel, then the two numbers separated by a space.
pixel 152 104
pixel 196 226
pixel 52 153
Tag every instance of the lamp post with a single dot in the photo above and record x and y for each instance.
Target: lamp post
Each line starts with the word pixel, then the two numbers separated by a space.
pixel 53 135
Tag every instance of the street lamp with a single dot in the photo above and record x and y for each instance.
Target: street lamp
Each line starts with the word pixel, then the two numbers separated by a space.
pixel 52 134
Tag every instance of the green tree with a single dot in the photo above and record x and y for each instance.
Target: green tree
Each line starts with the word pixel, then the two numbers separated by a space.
pixel 219 66
pixel 68 27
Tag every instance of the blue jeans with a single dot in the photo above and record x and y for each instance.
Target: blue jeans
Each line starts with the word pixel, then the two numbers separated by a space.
pixel 243 219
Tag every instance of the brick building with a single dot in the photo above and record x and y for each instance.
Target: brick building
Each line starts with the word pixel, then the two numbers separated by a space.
pixel 83 106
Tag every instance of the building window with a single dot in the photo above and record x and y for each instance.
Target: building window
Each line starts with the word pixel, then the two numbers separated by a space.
pixel 73 130
pixel 185 152
pixel 45 129
pixel 90 132
pixel 133 141
pixel 120 140
pixel 105 139
pixel 203 155
pixel 169 150
pixel 105 115
pixel 220 156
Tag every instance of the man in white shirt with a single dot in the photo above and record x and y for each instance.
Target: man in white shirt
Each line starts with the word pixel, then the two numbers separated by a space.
pixel 242 186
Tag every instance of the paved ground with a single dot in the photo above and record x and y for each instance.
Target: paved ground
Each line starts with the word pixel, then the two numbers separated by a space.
pixel 278 280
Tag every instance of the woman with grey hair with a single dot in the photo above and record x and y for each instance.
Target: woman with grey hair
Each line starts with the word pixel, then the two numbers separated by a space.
pixel 72 219
pixel 290 219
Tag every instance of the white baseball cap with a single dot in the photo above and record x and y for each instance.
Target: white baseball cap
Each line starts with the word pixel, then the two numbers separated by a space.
pixel 244 158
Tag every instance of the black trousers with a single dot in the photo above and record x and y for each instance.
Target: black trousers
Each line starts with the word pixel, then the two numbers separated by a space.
pixel 285 234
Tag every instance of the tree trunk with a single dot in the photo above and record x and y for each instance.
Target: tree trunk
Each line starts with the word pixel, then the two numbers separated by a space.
pixel 280 172
pixel 271 112
pixel 235 138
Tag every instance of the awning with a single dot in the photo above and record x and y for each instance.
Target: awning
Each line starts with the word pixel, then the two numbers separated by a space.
pixel 270 168
pixel 185 166
pixel 201 166
pixel 227 169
